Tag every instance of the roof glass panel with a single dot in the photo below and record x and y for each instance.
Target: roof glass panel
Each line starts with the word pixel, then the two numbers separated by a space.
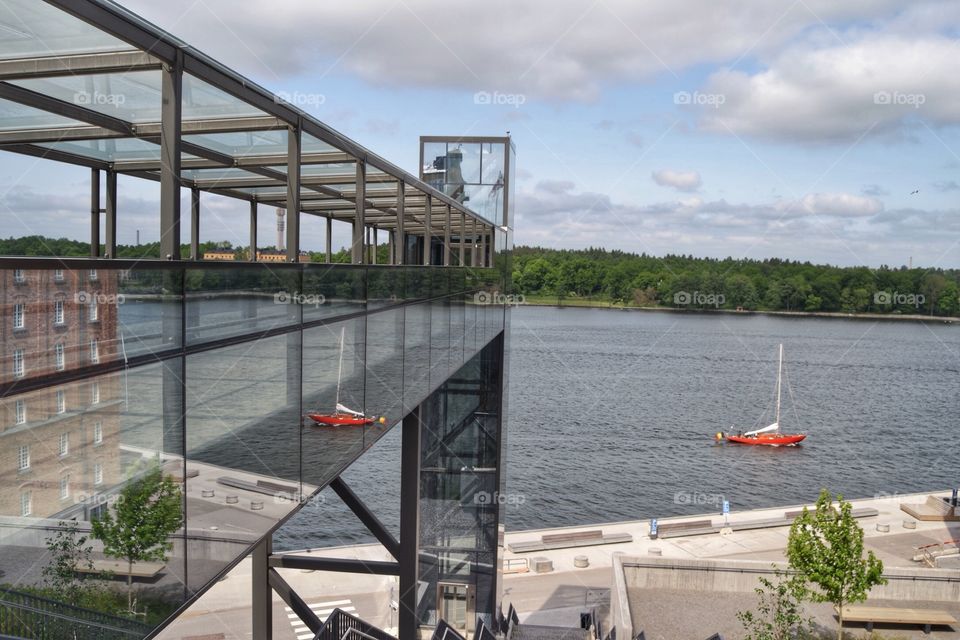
pixel 310 144
pixel 112 149
pixel 132 96
pixel 226 173
pixel 29 28
pixel 15 116
pixel 243 143
pixel 202 100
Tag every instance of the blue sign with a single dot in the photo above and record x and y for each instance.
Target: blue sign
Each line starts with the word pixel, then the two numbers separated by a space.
pixel 653 527
pixel 726 507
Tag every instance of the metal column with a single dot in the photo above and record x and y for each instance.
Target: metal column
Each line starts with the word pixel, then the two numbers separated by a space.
pixel 474 262
pixel 446 238
pixel 483 248
pixel 195 224
pixel 110 216
pixel 409 524
pixel 171 89
pixel 401 236
pixel 253 231
pixel 428 230
pixel 262 596
pixel 293 194
pixel 359 219
pixel 463 234
pixel 94 213
pixel 329 239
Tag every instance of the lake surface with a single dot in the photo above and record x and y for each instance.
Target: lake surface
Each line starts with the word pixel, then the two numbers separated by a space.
pixel 612 416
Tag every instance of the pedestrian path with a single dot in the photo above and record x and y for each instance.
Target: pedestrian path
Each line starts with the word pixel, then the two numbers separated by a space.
pixel 322 609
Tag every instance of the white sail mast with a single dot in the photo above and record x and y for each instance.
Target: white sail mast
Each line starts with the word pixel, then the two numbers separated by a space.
pixel 779 377
pixel 340 368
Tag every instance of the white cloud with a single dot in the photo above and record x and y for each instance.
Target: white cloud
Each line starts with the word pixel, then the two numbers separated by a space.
pixel 565 51
pixel 679 180
pixel 877 83
pixel 840 204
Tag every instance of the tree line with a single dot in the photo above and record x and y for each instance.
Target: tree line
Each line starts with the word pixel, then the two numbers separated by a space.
pixel 705 283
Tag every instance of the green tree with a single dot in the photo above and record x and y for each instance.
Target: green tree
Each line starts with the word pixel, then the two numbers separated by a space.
pixel 779 614
pixel 825 548
pixel 137 528
pixel 69 552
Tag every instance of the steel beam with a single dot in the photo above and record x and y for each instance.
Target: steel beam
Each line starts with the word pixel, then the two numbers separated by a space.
pixel 427 231
pixel 56 155
pixel 261 596
pixel 171 84
pixel 463 233
pixel 63 108
pixel 343 565
pixel 195 224
pixel 329 240
pixel 253 231
pixel 94 213
pixel 294 601
pixel 360 212
pixel 293 194
pixel 110 216
pixel 401 233
pixel 446 238
pixel 77 65
pixel 369 520
pixel 409 559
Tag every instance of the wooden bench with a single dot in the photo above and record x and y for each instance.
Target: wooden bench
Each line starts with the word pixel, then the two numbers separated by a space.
pixel 859 512
pixel 685 528
pixel 890 615
pixel 934 509
pixel 148 570
pixel 593 534
pixel 551 541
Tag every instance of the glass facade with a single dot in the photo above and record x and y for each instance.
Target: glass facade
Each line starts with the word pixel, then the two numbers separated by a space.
pixel 209 370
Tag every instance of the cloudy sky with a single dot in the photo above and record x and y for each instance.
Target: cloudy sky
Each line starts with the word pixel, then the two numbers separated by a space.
pixel 814 129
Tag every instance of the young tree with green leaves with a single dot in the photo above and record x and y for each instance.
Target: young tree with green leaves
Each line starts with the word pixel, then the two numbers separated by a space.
pixel 825 548
pixel 69 552
pixel 138 526
pixel 779 614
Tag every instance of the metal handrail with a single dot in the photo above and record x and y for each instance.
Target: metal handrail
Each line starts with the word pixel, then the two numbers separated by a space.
pixel 44 618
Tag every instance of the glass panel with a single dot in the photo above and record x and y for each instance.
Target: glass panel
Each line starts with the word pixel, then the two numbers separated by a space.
pixel 457 321
pixel 223 302
pixel 243 438
pixel 202 100
pixel 69 452
pixel 150 304
pixel 133 96
pixel 310 144
pixel 486 200
pixel 434 157
pixel 330 291
pixel 243 143
pixel 384 286
pixel 416 354
pixel 29 28
pixel 384 371
pixel 493 163
pixel 439 341
pixel 112 149
pixel 333 374
pixel 18 116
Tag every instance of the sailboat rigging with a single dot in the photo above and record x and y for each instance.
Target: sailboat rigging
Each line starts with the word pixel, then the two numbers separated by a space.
pixel 769 435
pixel 342 416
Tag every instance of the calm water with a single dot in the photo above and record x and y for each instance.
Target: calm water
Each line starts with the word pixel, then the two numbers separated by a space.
pixel 612 414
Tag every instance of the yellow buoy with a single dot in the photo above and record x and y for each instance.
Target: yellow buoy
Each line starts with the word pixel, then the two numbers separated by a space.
pixel 383 420
pixel 719 435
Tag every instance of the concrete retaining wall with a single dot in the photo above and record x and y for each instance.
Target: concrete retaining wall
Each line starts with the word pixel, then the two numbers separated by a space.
pixel 741 576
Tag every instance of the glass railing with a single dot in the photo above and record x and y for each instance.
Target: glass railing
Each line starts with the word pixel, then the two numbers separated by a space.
pixel 207 372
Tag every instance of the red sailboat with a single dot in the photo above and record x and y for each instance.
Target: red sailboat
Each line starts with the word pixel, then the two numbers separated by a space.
pixel 342 416
pixel 769 435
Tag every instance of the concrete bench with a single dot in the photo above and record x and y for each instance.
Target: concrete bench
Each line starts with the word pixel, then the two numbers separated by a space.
pixel 265 488
pixel 934 509
pixel 551 542
pixel 859 512
pixel 685 528
pixel 147 570
pixel 890 615
pixel 593 534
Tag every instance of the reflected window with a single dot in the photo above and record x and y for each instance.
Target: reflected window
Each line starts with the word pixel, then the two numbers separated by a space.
pixel 23 457
pixel 93 275
pixel 98 473
pixel 58 275
pixel 18 368
pixel 60 357
pixel 58 312
pixel 94 351
pixel 92 311
pixel 97 432
pixel 65 486
pixel 19 311
pixel 95 393
pixel 61 401
pixel 19 276
pixel 21 411
pixel 64 444
pixel 26 504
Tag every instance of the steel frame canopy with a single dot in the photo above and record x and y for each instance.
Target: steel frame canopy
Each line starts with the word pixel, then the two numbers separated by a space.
pixel 88 83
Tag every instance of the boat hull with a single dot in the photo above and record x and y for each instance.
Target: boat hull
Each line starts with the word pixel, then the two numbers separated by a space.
pixel 339 419
pixel 769 439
